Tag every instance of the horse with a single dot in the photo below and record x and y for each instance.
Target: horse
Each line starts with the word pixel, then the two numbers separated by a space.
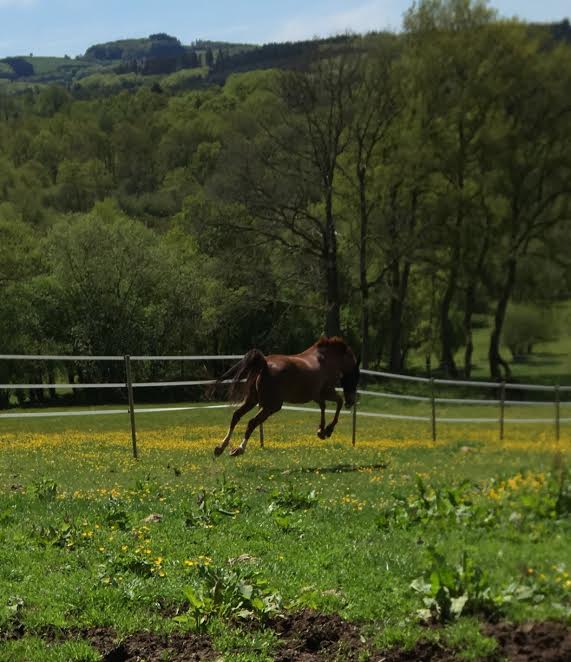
pixel 272 380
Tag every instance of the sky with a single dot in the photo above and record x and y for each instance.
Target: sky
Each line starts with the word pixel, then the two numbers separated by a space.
pixel 69 27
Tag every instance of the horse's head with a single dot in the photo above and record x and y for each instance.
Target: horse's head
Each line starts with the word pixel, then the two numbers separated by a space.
pixel 350 379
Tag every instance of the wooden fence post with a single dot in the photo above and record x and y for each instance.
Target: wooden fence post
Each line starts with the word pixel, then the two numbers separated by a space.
pixel 433 406
pixel 354 423
pixel 131 404
pixel 557 412
pixel 502 409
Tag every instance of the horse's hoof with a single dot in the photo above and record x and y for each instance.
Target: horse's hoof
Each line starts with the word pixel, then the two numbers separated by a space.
pixel 321 434
pixel 218 451
pixel 237 451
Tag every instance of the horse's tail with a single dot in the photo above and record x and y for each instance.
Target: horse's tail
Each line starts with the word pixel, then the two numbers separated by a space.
pixel 247 369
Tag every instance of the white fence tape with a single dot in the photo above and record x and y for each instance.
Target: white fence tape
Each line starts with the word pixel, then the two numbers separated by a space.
pixel 391 375
pixel 150 410
pixel 215 357
pixel 459 382
pixel 41 357
pixel 396 396
pixel 201 382
pixel 43 386
pixel 53 414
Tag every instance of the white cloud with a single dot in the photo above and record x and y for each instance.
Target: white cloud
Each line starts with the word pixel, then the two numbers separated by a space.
pixel 364 18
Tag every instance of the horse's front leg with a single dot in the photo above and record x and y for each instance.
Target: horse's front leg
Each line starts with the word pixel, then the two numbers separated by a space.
pixel 321 430
pixel 339 400
pixel 244 408
pixel 253 423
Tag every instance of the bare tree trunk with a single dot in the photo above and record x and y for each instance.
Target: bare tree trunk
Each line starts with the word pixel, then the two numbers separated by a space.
pixel 495 359
pixel 470 304
pixel 333 314
pixel 363 281
pixel 400 289
pixel 446 330
pixel 468 312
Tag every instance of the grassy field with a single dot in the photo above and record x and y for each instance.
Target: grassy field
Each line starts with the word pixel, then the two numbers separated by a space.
pixel 550 362
pixel 91 537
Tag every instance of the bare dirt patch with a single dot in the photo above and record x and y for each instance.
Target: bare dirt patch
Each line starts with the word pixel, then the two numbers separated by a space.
pixel 148 646
pixel 309 636
pixel 549 641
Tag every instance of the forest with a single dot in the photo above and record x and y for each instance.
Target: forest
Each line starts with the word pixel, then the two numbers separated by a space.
pixel 391 188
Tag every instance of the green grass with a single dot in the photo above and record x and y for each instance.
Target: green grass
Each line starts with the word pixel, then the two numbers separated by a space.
pixel 75 549
pixel 550 362
pixel 46 64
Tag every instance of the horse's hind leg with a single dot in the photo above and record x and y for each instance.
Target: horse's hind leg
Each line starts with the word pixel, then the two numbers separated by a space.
pixel 328 431
pixel 253 423
pixel 321 430
pixel 248 404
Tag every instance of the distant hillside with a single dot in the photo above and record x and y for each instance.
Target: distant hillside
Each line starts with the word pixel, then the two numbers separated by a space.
pixel 128 63
pixel 156 45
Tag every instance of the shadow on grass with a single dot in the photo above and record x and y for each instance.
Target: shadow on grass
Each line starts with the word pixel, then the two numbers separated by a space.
pixel 337 468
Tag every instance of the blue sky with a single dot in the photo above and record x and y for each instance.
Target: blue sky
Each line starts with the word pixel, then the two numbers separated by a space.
pixel 58 27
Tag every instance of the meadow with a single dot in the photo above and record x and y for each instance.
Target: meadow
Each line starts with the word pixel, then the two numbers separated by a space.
pixel 390 535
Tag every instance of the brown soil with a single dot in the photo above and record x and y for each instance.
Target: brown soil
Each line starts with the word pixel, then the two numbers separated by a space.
pixel 146 646
pixel 308 636
pixel 311 637
pixel 549 641
pixel 149 646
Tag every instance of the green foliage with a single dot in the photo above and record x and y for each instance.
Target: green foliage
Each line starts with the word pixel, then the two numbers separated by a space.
pixel 252 229
pixel 229 594
pixel 45 489
pixel 449 505
pixel 449 591
pixel 111 563
pixel 64 535
pixel 215 505
pixel 527 326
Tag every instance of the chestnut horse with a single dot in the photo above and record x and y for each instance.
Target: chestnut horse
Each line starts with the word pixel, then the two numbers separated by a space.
pixel 278 378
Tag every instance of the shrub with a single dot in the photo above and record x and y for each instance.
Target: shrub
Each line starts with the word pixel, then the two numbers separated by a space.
pixel 526 326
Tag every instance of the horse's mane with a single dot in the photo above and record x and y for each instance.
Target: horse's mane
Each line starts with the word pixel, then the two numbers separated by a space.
pixel 335 342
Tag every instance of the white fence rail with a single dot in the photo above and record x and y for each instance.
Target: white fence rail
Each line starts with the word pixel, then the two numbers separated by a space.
pixel 129 385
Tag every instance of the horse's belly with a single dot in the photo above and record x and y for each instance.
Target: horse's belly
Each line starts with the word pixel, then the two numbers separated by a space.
pixel 292 383
pixel 298 395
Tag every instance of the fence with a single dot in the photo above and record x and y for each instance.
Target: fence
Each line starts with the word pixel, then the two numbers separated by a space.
pixel 434 420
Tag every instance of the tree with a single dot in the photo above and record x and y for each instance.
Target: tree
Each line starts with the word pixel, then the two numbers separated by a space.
pixel 533 164
pixel 107 268
pixel 375 106
pixel 453 52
